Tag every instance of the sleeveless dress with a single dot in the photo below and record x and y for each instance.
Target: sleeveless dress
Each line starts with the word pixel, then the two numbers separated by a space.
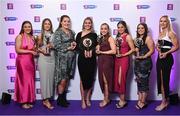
pixel 86 66
pixel 25 75
pixel 164 65
pixel 46 65
pixel 142 69
pixel 106 66
pixel 122 62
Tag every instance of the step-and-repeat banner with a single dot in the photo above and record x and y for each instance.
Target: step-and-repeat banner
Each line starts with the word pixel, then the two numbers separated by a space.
pixel 14 12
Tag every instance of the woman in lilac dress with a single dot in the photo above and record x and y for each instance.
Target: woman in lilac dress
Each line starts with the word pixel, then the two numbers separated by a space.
pixel 25 75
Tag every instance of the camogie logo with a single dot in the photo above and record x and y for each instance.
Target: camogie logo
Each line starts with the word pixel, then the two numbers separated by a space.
pixel 12 79
pixel 10 43
pixel 115 31
pixel 142 19
pixel 10 6
pixel 36 18
pixel 63 6
pixel 143 6
pixel 11 31
pixel 12 55
pixel 11 67
pixel 169 6
pixel 116 6
pixel 10 90
pixel 172 19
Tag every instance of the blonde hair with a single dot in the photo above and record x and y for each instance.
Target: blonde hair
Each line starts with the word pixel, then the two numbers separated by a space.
pixel 169 25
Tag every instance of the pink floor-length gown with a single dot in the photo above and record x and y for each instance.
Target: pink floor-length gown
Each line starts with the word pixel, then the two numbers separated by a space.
pixel 25 75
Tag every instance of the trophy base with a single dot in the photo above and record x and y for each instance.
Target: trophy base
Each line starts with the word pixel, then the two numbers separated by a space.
pixel 118 55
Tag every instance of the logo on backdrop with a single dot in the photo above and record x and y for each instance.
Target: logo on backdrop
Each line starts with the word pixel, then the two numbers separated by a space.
pixel 116 6
pixel 115 19
pixel 89 6
pixel 142 19
pixel 36 31
pixel 10 43
pixel 143 6
pixel 10 90
pixel 9 6
pixel 12 55
pixel 115 31
pixel 36 6
pixel 10 18
pixel 38 91
pixel 12 79
pixel 11 31
pixel 36 18
pixel 11 67
pixel 172 19
pixel 37 79
pixel 63 6
pixel 169 6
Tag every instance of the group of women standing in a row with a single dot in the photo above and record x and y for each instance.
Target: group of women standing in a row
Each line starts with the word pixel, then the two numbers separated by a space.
pixel 57 55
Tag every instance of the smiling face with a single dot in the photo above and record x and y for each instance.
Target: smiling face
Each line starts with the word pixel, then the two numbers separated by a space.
pixel 163 22
pixel 27 28
pixel 65 23
pixel 121 28
pixel 87 24
pixel 104 30
pixel 47 25
pixel 140 29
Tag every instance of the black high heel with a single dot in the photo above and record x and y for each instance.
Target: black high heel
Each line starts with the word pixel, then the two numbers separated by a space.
pixel 118 106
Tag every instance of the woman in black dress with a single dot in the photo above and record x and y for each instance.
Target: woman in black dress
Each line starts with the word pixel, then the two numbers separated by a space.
pixel 143 63
pixel 86 43
pixel 167 44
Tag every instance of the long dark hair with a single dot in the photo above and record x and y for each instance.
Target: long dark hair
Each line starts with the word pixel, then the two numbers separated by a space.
pixel 22 26
pixel 145 33
pixel 61 19
pixel 42 28
pixel 125 25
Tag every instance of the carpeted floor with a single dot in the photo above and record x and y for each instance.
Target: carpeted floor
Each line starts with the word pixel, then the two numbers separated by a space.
pixel 75 109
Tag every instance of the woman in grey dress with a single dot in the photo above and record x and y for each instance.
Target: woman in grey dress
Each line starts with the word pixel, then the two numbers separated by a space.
pixel 64 45
pixel 46 62
pixel 143 63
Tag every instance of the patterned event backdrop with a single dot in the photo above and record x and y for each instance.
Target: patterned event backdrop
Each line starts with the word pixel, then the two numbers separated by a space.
pixel 14 12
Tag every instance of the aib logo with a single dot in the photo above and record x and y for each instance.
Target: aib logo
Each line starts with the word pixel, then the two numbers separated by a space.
pixel 38 91
pixel 10 6
pixel 89 6
pixel 169 6
pixel 115 31
pixel 11 67
pixel 36 31
pixel 36 6
pixel 11 31
pixel 10 90
pixel 115 19
pixel 12 79
pixel 172 19
pixel 36 18
pixel 10 43
pixel 142 19
pixel 63 6
pixel 12 55
pixel 143 6
pixel 10 18
pixel 116 6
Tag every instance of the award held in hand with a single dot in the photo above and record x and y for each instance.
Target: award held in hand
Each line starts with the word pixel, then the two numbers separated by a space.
pixel 138 42
pixel 118 46
pixel 47 39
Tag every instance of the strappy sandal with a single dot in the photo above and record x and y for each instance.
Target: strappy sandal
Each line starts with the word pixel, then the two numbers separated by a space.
pixel 118 106
pixel 104 103
pixel 139 107
pixel 48 105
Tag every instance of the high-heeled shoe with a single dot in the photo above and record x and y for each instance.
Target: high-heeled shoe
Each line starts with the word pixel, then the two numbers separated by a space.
pixel 104 103
pixel 139 107
pixel 119 106
pixel 25 106
pixel 48 105
pixel 83 104
pixel 88 103
pixel 160 107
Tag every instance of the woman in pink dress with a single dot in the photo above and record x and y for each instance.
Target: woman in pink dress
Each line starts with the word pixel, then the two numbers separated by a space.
pixel 125 47
pixel 25 75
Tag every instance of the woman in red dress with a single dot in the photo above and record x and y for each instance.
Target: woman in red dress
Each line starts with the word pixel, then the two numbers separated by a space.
pixel 125 47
